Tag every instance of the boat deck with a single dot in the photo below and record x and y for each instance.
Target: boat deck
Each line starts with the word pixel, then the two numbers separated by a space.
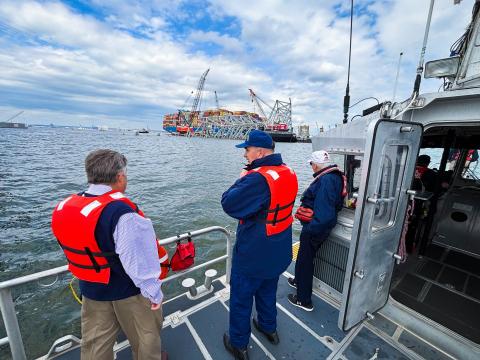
pixel 443 285
pixel 193 329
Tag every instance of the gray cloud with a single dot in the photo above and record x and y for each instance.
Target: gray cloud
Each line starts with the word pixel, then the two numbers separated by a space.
pixel 82 66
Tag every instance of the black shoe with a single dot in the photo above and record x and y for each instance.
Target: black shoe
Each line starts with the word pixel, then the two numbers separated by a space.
pixel 272 337
pixel 239 354
pixel 292 283
pixel 294 301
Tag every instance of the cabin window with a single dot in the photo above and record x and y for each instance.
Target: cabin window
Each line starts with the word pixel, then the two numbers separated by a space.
pixel 352 166
pixel 391 176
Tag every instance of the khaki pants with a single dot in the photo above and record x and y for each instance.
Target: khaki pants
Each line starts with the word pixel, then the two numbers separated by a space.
pixel 102 321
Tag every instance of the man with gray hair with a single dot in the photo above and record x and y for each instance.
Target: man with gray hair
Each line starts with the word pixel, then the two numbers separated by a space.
pixel 317 213
pixel 112 249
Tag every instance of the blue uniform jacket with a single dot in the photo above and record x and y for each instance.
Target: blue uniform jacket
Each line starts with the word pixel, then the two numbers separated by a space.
pixel 324 196
pixel 255 254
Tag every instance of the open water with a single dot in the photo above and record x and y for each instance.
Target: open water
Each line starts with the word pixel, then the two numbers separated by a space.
pixel 177 182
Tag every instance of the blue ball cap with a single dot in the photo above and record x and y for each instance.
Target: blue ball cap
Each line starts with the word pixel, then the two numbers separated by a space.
pixel 257 138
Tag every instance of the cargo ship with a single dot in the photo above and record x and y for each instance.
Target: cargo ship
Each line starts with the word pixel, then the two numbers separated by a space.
pixel 224 123
pixel 209 121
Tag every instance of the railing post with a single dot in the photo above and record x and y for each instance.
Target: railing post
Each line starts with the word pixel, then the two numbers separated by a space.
pixel 11 325
pixel 229 256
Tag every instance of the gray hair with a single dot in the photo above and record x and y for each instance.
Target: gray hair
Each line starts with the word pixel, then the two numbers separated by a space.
pixel 102 166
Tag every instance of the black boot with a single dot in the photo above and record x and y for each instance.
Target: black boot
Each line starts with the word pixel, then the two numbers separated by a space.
pixel 272 337
pixel 239 354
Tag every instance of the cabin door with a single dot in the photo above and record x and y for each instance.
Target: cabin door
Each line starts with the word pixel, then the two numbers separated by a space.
pixel 388 166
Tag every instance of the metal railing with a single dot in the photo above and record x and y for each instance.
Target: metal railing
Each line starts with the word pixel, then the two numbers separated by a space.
pixel 471 173
pixel 7 306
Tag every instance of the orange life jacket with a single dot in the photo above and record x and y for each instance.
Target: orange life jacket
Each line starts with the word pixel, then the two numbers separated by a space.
pixel 283 185
pixel 73 223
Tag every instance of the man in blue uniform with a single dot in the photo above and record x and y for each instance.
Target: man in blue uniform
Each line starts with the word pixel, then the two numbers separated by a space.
pixel 322 200
pixel 262 200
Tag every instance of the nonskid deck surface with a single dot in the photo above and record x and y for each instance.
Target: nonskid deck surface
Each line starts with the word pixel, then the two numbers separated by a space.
pixel 443 285
pixel 193 329
pixel 198 334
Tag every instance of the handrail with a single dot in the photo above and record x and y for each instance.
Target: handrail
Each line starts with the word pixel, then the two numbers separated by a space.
pixel 471 173
pixel 7 306
pixel 195 233
pixel 32 277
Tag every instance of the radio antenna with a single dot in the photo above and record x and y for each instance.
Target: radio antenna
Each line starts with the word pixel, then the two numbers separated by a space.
pixel 346 98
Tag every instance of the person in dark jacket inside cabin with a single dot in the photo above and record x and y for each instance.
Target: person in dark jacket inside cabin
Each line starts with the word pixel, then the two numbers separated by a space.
pixel 425 178
pixel 262 200
pixel 320 204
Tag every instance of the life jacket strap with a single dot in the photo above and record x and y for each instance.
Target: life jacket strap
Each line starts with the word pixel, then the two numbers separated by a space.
pixel 90 267
pixel 278 208
pixel 275 212
pixel 96 266
pixel 83 252
pixel 275 220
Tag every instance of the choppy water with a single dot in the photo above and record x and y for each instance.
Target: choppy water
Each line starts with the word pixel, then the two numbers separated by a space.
pixel 178 182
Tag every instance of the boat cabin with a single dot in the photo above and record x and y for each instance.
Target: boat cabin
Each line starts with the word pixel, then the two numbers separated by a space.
pixel 404 247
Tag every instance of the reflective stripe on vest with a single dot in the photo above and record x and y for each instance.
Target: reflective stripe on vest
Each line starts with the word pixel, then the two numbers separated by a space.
pixel 283 185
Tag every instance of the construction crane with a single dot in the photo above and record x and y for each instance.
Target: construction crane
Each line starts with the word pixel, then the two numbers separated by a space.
pixel 256 100
pixel 15 116
pixel 198 95
pixel 280 113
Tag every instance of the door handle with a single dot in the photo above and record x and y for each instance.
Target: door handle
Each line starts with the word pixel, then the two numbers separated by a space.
pixel 404 129
pixel 359 274
pixel 374 200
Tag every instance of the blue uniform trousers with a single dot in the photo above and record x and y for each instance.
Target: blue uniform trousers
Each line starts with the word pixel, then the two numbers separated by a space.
pixel 304 269
pixel 242 291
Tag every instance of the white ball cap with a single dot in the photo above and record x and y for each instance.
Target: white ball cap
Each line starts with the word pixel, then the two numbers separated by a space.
pixel 320 157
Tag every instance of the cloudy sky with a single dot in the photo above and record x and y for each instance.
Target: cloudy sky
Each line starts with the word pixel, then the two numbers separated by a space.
pixel 125 63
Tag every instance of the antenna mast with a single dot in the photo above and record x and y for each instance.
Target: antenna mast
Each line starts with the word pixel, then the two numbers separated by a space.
pixel 418 78
pixel 396 78
pixel 346 98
